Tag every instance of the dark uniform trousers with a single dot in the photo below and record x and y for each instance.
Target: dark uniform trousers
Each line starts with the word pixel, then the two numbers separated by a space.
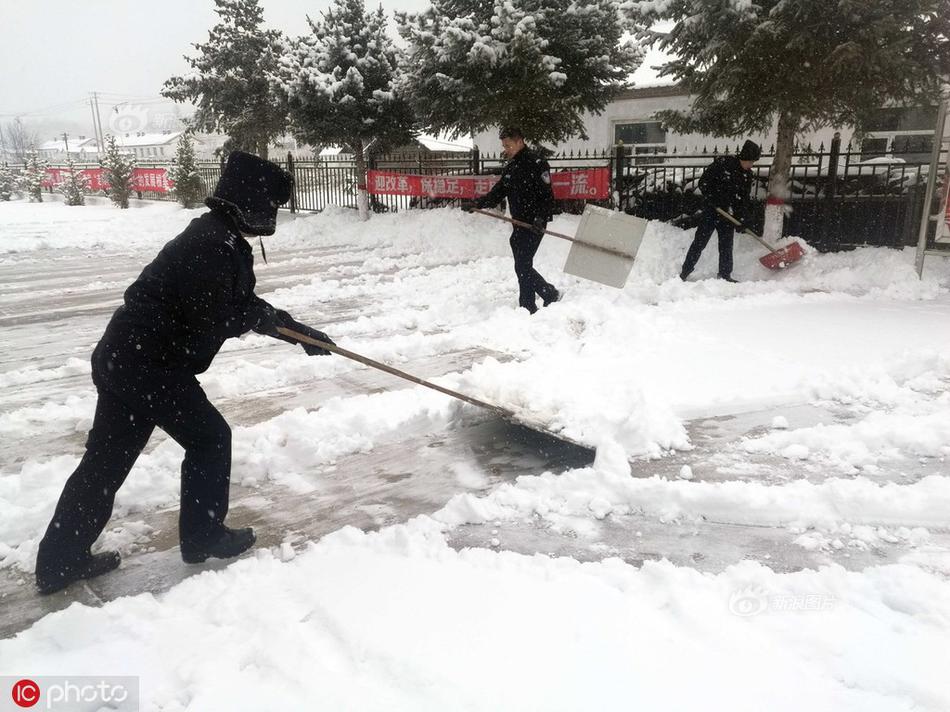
pixel 711 221
pixel 132 401
pixel 524 245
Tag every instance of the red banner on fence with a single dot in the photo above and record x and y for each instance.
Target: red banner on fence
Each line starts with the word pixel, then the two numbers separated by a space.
pixel 144 180
pixel 586 184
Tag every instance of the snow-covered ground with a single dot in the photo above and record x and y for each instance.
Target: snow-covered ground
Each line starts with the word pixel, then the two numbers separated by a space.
pixel 765 523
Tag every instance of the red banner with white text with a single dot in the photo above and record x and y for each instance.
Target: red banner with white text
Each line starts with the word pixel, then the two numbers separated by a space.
pixel 585 184
pixel 144 180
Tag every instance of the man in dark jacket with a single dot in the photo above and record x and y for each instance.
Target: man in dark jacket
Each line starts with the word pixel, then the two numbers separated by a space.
pixel 526 183
pixel 198 292
pixel 726 183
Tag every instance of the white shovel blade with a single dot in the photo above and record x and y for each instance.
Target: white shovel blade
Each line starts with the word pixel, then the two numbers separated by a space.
pixel 610 229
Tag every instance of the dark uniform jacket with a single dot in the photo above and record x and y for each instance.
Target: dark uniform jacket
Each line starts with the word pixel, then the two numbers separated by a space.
pixel 526 183
pixel 725 184
pixel 197 293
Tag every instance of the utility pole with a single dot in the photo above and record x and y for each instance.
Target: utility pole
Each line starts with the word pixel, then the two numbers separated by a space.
pixel 95 127
pixel 66 143
pixel 95 99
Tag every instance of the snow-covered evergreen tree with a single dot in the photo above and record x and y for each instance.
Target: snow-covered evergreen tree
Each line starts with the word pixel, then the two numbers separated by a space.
pixel 805 62
pixel 339 85
pixel 228 82
pixel 33 176
pixel 118 173
pixel 535 64
pixel 189 188
pixel 8 182
pixel 74 186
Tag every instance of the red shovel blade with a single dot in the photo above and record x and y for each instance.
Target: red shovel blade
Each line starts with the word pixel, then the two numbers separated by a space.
pixel 783 257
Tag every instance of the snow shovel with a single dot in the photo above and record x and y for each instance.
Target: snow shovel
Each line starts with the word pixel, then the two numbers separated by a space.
pixel 777 258
pixel 604 248
pixel 504 413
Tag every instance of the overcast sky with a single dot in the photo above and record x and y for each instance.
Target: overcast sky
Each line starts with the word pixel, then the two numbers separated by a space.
pixel 53 53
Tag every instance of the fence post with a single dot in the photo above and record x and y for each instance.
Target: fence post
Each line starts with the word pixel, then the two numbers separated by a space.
pixel 293 183
pixel 619 156
pixel 831 191
pixel 832 188
pixel 476 162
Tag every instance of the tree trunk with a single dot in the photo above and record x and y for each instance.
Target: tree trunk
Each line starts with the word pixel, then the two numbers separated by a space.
pixel 362 201
pixel 778 176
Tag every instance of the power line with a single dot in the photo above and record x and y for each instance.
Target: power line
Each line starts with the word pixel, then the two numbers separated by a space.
pixel 46 110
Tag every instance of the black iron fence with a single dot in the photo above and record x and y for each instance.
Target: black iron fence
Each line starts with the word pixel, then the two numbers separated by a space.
pixel 839 197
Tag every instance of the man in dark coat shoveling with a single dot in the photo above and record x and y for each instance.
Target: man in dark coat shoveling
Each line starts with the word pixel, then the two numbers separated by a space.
pixel 726 183
pixel 526 183
pixel 197 293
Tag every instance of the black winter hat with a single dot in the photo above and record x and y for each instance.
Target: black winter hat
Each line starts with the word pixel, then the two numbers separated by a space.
pixel 249 190
pixel 750 151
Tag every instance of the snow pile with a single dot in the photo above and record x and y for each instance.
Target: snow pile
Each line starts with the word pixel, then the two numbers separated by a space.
pixel 25 227
pixel 396 619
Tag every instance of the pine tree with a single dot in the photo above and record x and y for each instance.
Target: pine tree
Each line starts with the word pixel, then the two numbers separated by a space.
pixel 74 186
pixel 804 63
pixel 535 64
pixel 8 182
pixel 339 85
pixel 34 175
pixel 118 172
pixel 188 188
pixel 229 83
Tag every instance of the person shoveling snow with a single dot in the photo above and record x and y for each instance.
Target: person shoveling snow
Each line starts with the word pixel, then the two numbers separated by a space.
pixel 197 293
pixel 526 183
pixel 725 184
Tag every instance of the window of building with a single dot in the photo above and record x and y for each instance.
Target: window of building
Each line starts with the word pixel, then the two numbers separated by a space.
pixel 641 139
pixel 904 132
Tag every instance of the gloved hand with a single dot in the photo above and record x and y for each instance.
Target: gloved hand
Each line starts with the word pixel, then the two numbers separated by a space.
pixel 745 225
pixel 310 349
pixel 285 320
pixel 539 224
pixel 268 319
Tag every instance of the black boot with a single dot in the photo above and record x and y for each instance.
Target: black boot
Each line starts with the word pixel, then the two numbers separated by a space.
pixel 50 580
pixel 224 543
pixel 684 274
pixel 554 296
pixel 727 278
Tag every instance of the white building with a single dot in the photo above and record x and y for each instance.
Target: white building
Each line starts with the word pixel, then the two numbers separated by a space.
pixel 81 150
pixel 150 147
pixel 631 119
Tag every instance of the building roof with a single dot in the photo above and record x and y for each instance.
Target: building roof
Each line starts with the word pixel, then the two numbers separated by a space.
pixel 74 144
pixel 462 144
pixel 635 92
pixel 148 139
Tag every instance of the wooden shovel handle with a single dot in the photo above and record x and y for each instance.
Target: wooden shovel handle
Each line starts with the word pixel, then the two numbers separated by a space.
pixel 333 348
pixel 519 223
pixel 728 216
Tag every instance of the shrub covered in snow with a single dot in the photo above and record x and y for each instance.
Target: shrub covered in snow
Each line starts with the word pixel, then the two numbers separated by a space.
pixel 189 188
pixel 33 177
pixel 8 182
pixel 74 186
pixel 118 173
